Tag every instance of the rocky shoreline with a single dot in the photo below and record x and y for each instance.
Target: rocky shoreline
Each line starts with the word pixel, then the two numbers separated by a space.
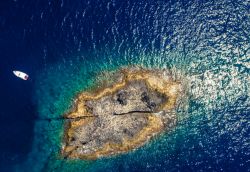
pixel 122 116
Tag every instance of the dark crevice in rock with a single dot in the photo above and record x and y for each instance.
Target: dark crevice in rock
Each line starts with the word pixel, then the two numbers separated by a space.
pixel 72 139
pixel 122 97
pixel 84 143
pixel 69 153
pixel 130 112
pixel 151 105
pixel 145 98
pixel 89 109
pixel 129 133
pixel 66 118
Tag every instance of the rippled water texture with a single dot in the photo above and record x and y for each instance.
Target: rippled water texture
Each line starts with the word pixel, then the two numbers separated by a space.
pixel 207 43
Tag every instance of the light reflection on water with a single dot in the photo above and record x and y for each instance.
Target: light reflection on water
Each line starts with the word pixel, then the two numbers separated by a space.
pixel 205 42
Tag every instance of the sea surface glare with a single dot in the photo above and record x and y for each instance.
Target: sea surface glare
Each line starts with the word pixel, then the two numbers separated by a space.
pixel 68 46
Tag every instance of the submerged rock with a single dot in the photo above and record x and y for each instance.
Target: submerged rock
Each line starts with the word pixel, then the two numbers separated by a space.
pixel 121 117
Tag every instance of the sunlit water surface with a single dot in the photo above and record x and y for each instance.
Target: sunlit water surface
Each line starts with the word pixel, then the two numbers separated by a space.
pixel 206 44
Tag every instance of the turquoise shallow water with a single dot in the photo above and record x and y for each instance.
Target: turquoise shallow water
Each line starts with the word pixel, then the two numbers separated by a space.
pixel 203 130
pixel 205 44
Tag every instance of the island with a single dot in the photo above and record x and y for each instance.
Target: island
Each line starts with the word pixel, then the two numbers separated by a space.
pixel 122 115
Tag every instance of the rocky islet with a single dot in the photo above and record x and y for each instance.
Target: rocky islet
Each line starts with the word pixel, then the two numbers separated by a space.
pixel 122 116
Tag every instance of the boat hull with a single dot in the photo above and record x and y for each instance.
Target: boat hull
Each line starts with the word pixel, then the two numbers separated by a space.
pixel 21 75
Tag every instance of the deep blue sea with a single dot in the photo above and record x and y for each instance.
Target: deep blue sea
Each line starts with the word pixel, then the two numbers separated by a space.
pixel 64 45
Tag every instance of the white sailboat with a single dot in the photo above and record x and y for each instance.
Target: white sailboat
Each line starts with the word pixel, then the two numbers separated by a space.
pixel 21 75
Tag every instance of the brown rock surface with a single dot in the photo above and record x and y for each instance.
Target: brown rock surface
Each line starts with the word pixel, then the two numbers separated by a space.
pixel 121 117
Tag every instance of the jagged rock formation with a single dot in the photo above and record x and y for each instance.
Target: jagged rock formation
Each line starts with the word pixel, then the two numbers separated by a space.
pixel 122 117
